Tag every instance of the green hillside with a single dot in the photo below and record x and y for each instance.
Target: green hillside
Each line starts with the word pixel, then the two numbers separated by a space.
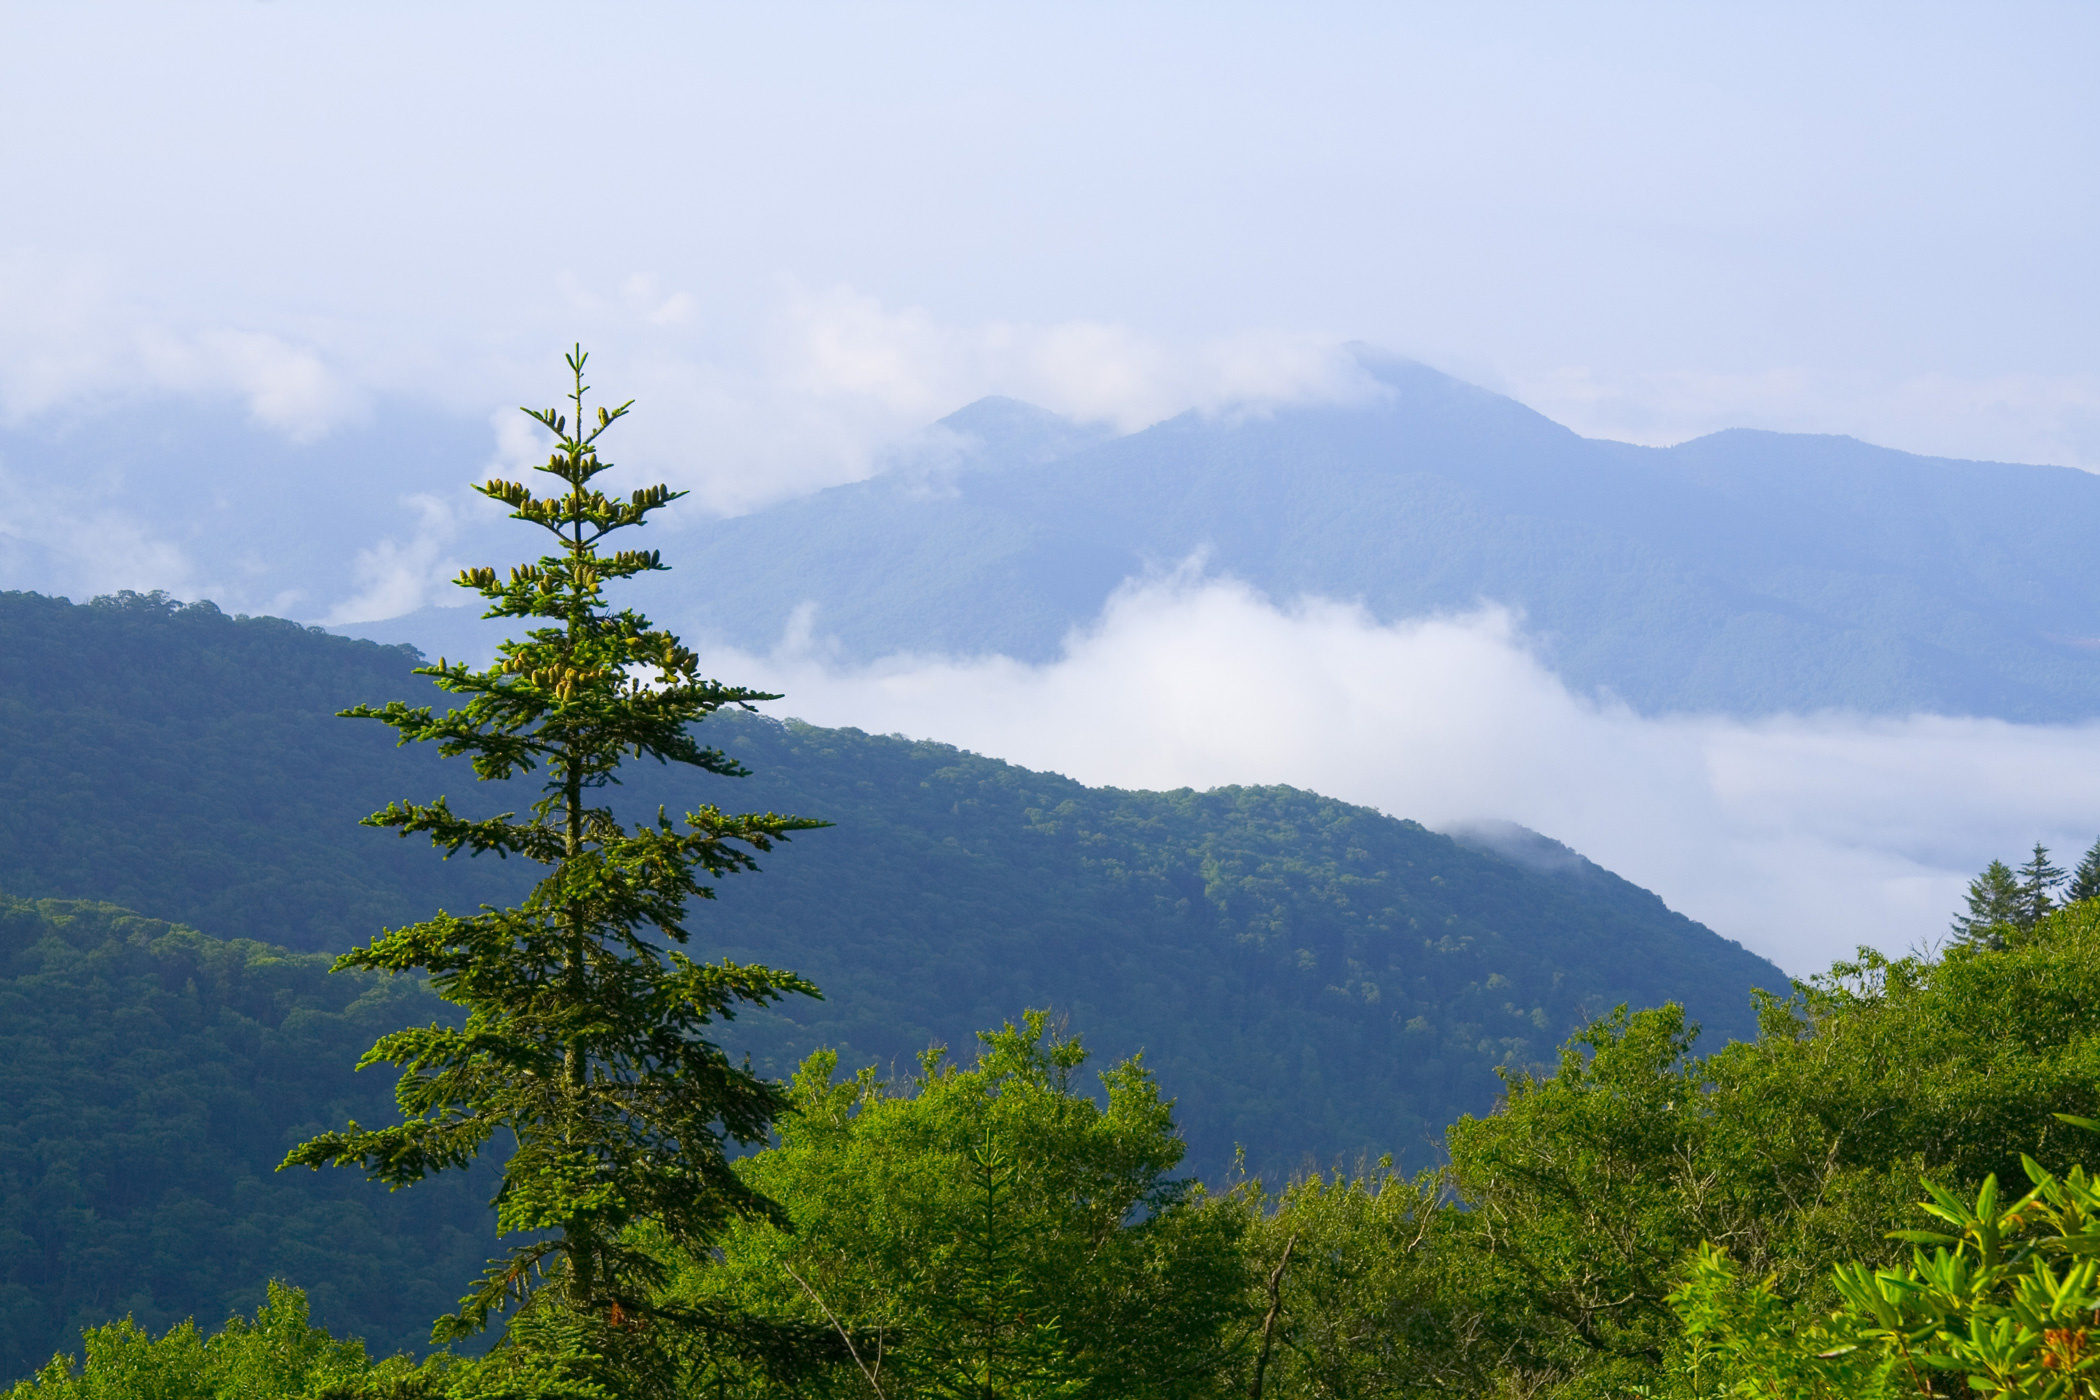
pixel 150 1080
pixel 1309 977
pixel 181 762
pixel 1313 978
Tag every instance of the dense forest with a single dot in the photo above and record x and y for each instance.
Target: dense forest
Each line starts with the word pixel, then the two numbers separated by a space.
pixel 1558 1252
pixel 150 1079
pixel 1315 979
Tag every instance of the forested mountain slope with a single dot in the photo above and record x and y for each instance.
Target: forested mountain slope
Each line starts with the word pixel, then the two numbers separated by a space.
pixel 1306 976
pixel 1745 572
pixel 150 1080
pixel 1310 978
pixel 176 761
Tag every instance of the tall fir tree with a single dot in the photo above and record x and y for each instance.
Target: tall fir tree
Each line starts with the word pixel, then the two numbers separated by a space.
pixel 1993 906
pixel 585 1025
pixel 2085 880
pixel 2039 882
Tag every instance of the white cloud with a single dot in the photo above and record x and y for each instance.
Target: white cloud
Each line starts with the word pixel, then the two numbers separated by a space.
pixel 836 382
pixel 69 338
pixel 818 389
pixel 396 576
pixel 66 535
pixel 1800 836
pixel 846 342
pixel 285 387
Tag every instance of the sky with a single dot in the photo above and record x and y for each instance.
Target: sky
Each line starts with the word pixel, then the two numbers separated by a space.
pixel 272 277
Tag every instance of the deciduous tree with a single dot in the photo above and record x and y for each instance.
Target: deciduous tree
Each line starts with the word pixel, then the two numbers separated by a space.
pixel 988 1232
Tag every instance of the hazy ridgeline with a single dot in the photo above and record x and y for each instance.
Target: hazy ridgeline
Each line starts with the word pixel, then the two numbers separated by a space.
pixel 1744 573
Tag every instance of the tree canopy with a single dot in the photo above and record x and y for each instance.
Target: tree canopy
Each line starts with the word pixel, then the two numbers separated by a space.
pixel 987 1229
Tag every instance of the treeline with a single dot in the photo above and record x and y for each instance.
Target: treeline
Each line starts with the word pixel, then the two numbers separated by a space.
pixel 1012 1226
pixel 2002 897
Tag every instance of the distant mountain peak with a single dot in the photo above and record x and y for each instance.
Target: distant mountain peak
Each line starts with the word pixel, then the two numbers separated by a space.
pixel 997 416
pixel 995 433
pixel 1423 392
pixel 1746 572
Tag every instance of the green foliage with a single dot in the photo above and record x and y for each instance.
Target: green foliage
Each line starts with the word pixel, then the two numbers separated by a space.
pixel 1741 1339
pixel 1358 1286
pixel 988 1231
pixel 1588 1188
pixel 1991 1303
pixel 1311 977
pixel 1643 1221
pixel 2039 881
pixel 2002 899
pixel 280 1355
pixel 584 1039
pixel 2003 1305
pixel 150 1078
pixel 1994 905
pixel 1591 1189
pixel 277 1356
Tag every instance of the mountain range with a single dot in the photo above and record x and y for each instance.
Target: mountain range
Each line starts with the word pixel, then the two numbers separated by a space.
pixel 1745 573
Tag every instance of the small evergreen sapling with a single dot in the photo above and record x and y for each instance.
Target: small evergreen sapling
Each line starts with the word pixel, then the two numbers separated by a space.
pixel 1994 903
pixel 2085 880
pixel 584 1033
pixel 2039 882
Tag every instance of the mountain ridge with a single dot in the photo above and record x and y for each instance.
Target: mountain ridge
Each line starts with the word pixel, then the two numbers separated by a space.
pixel 1255 941
pixel 1743 572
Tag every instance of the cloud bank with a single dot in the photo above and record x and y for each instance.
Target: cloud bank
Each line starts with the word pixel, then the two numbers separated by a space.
pixel 1802 837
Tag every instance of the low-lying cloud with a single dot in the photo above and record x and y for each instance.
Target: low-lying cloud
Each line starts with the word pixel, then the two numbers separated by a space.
pixel 1801 836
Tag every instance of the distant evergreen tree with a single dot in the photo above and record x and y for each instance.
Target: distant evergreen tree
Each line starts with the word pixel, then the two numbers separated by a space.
pixel 2085 881
pixel 1994 904
pixel 2039 881
pixel 584 1036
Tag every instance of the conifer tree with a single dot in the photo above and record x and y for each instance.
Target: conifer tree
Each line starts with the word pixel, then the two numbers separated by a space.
pixel 584 1038
pixel 2085 881
pixel 2039 881
pixel 1994 903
